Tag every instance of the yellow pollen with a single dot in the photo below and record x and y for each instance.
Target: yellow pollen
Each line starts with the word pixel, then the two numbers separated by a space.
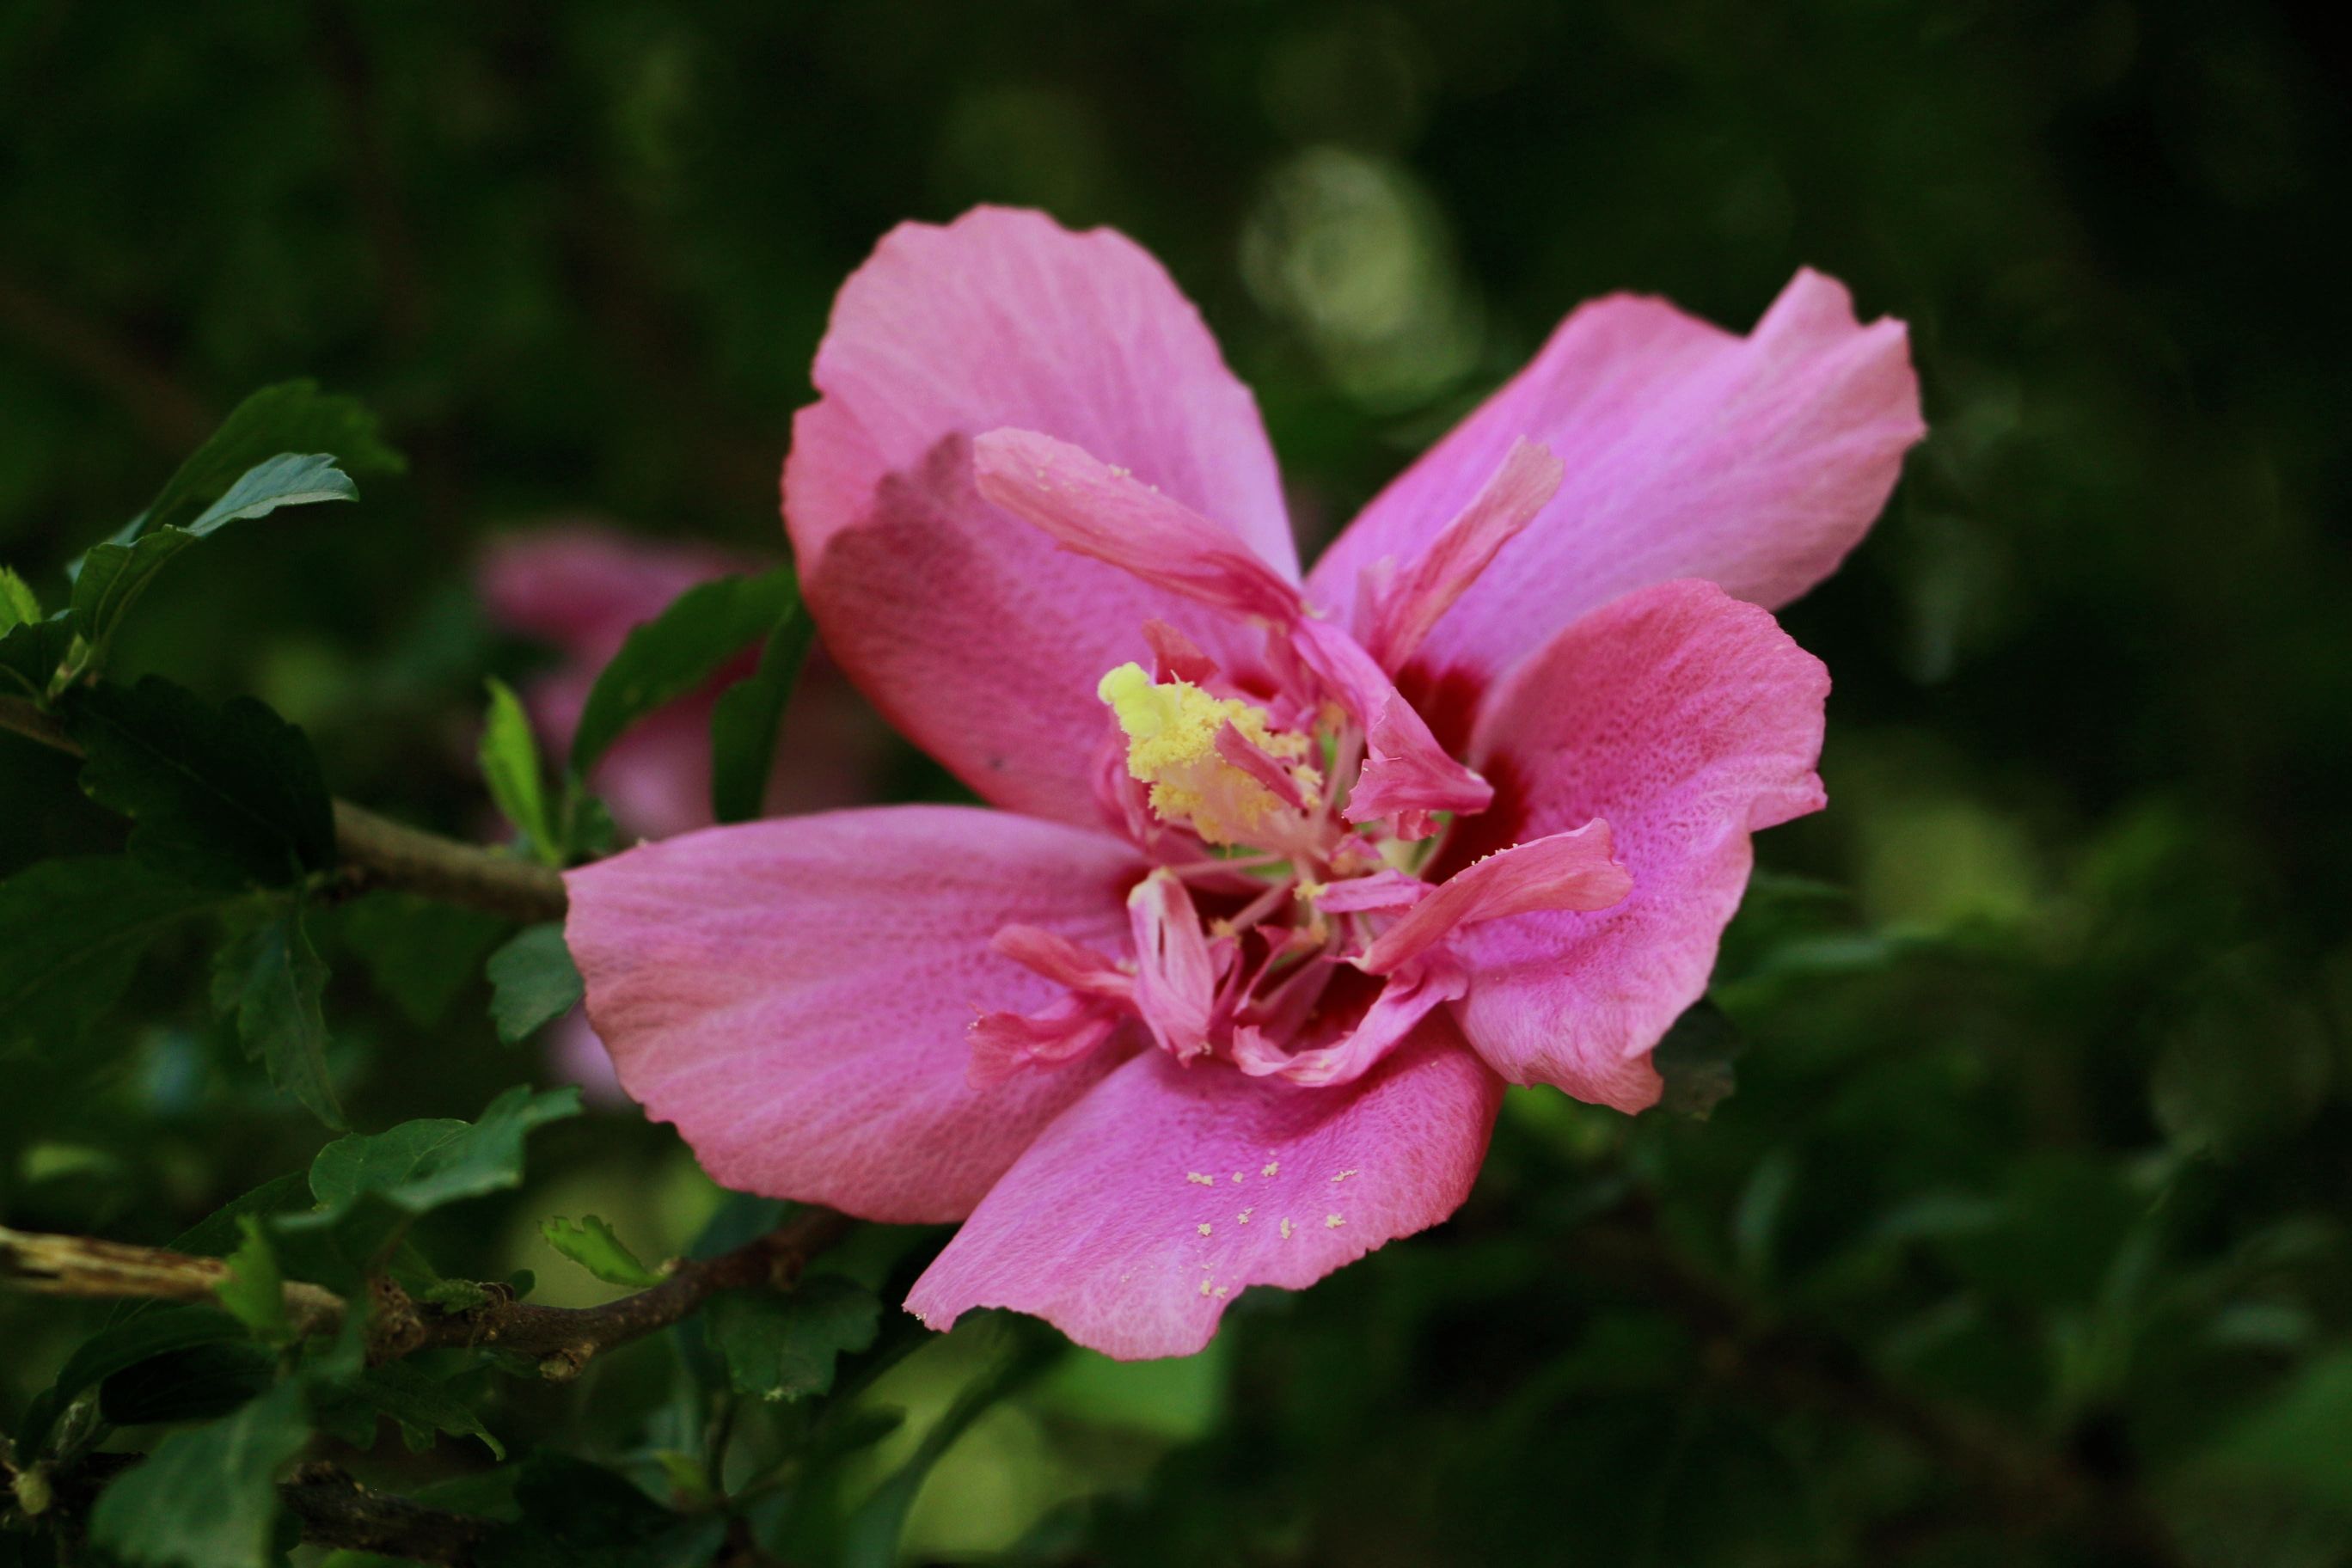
pixel 1195 1177
pixel 1204 1228
pixel 1285 1230
pixel 1171 744
pixel 1333 1222
pixel 1272 1166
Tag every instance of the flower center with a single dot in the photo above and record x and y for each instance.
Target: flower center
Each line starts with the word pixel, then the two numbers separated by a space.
pixel 1217 764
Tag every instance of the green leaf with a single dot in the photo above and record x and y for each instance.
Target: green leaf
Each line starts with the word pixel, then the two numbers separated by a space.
pixel 676 652
pixel 31 653
pixel 590 1243
pixel 289 479
pixel 291 417
pixel 20 606
pixel 510 757
pixel 419 952
pixel 533 981
pixel 206 1497
pixel 420 1165
pixel 255 1291
pixel 71 932
pixel 2301 1435
pixel 748 715
pixel 420 1404
pixel 1696 1061
pixel 125 1344
pixel 783 1344
pixel 271 978
pixel 113 574
pixel 370 1188
pixel 221 797
pixel 195 1384
pixel 579 1515
pixel 221 1232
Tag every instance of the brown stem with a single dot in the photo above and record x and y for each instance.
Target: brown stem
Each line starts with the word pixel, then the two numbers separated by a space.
pixel 378 852
pixel 338 1511
pixel 382 853
pixel 562 1339
pixel 332 1508
pixel 81 1266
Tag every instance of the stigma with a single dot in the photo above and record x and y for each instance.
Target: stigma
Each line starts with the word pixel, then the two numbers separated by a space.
pixel 1217 765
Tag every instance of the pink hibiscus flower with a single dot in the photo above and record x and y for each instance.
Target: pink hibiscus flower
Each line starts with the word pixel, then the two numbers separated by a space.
pixel 1288 878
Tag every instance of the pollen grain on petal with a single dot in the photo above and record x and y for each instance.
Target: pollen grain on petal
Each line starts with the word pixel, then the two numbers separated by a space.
pixel 1333 1221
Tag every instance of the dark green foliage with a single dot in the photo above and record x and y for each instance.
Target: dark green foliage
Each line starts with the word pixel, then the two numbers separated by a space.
pixel 517 783
pixel 533 982
pixel 30 653
pixel 420 954
pixel 576 1515
pixel 420 1165
pixel 206 1497
pixel 197 1383
pixel 784 1347
pixel 419 1404
pixel 113 576
pixel 681 648
pixel 591 1244
pixel 291 417
pixel 269 979
pixel 71 933
pixel 745 721
pixel 221 796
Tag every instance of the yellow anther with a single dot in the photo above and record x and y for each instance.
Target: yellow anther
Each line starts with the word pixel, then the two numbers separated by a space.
pixel 1171 744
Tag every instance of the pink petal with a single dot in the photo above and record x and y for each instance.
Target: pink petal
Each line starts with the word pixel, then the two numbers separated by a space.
pixel 1091 509
pixel 1384 889
pixel 1174 656
pixel 1394 1014
pixel 1005 1043
pixel 1558 871
pixel 1688 721
pixel 1413 597
pixel 795 994
pixel 969 629
pixel 1062 960
pixel 1098 1228
pixel 1753 462
pixel 1176 971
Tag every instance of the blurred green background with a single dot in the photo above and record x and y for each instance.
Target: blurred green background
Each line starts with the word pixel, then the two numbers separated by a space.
pixel 2024 1239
